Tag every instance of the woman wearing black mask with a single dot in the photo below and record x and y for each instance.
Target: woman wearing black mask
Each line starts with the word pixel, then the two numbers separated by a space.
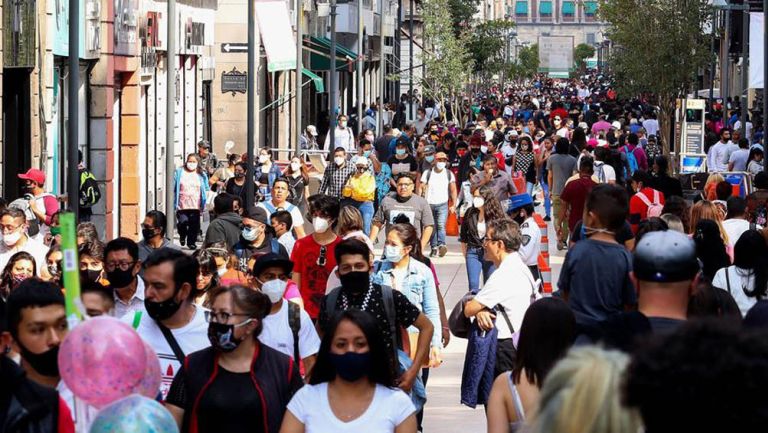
pixel 352 387
pixel 238 385
pixel 92 262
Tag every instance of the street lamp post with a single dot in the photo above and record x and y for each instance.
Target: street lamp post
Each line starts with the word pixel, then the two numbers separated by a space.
pixel 360 61
pixel 73 135
pixel 250 193
pixel 410 59
pixel 333 91
pixel 299 68
pixel 170 117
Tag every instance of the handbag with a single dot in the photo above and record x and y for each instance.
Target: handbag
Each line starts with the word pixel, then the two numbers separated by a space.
pixel 458 323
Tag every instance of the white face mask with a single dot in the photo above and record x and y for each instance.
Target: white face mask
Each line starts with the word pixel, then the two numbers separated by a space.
pixel 11 238
pixel 320 224
pixel 478 202
pixel 484 149
pixel 440 166
pixel 393 253
pixel 222 270
pixel 274 289
pixel 369 138
pixel 192 166
pixel 263 158
pixel 343 124
pixel 295 166
pixel 339 160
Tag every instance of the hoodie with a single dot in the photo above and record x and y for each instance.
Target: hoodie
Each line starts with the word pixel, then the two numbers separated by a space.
pixel 225 228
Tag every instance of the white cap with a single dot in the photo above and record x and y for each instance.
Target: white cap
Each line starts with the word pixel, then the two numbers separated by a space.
pixel 312 130
pixel 616 124
pixel 360 160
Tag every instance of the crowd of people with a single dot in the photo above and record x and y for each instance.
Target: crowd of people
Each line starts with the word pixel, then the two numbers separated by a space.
pixel 318 308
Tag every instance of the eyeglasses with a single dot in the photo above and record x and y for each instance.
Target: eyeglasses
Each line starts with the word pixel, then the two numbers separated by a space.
pixel 486 240
pixel 321 261
pixel 124 266
pixel 221 316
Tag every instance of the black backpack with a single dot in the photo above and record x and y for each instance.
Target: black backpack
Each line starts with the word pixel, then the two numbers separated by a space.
pixel 89 189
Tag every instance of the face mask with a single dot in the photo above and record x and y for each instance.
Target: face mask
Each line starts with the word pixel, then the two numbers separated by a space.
pixel 55 230
pixel 250 233
pixel 366 153
pixel 295 166
pixel 147 234
pixel 343 124
pixel 239 175
pixel 320 224
pixel 162 310
pixel 393 253
pixel 461 153
pixel 192 166
pixel 17 279
pixel 11 238
pixel 90 275
pixel 519 219
pixel 355 282
pixel 274 289
pixel 400 151
pixel 221 271
pixel 46 363
pixel 120 278
pixel 430 158
pixel 351 366
pixel 478 202
pixel 369 138
pixel 441 166
pixel 53 270
pixel 263 158
pixel 222 336
pixel 484 149
pixel 475 150
pixel 339 160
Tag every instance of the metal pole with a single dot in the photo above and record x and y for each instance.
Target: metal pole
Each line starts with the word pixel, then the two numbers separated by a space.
pixel 253 48
pixel 360 63
pixel 382 73
pixel 744 70
pixel 724 69
pixel 398 52
pixel 410 59
pixel 73 136
pixel 333 91
pixel 712 66
pixel 170 118
pixel 299 71
pixel 765 80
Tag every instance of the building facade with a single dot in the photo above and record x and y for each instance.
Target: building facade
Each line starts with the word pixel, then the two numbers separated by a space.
pixel 577 18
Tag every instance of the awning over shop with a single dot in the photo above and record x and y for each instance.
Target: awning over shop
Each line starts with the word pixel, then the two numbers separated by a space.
pixel 276 35
pixel 545 8
pixel 320 49
pixel 521 8
pixel 590 8
pixel 569 8
pixel 316 80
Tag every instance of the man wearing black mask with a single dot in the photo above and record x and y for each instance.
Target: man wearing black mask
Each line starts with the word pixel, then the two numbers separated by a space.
pixel 473 157
pixel 153 235
pixel 122 265
pixel 175 326
pixel 355 263
pixel 29 401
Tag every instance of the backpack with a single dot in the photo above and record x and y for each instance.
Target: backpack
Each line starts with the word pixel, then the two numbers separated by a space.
pixel 294 322
pixel 89 189
pixel 655 208
pixel 601 172
pixel 632 160
pixel 272 209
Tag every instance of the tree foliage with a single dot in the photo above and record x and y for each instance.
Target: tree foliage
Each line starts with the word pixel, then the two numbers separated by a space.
pixel 581 53
pixel 487 43
pixel 527 63
pixel 659 45
pixel 445 56
pixel 462 12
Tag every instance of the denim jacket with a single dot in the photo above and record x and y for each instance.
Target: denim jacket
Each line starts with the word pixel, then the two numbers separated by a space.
pixel 419 287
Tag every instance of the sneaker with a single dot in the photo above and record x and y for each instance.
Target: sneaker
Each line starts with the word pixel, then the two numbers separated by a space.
pixel 547 219
pixel 192 247
pixel 182 242
pixel 443 250
pixel 433 253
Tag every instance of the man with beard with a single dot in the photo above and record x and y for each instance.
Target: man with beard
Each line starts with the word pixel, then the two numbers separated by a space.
pixel 521 210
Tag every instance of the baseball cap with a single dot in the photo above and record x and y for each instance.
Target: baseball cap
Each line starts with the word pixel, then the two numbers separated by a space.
pixel 312 130
pixel 666 257
pixel 519 200
pixel 257 213
pixel 360 160
pixel 204 143
pixel 272 260
pixel 429 149
pixel 35 175
pixel 441 155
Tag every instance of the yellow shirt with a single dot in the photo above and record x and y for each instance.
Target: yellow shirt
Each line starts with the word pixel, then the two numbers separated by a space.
pixel 361 188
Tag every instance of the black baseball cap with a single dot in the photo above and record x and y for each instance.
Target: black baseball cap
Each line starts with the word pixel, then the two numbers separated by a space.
pixel 272 260
pixel 257 213
pixel 665 257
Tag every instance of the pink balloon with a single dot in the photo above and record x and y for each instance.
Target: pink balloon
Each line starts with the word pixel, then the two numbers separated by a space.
pixel 150 384
pixel 102 360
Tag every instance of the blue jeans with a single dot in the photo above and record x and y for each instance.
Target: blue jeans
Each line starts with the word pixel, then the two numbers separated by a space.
pixel 366 210
pixel 476 265
pixel 547 200
pixel 529 189
pixel 440 215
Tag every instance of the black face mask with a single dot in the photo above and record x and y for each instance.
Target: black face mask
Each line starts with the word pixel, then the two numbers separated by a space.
pixel 239 175
pixel 474 150
pixel 351 366
pixel 147 234
pixel 90 275
pixel 517 218
pixel 355 282
pixel 162 310
pixel 45 363
pixel 222 337
pixel 120 278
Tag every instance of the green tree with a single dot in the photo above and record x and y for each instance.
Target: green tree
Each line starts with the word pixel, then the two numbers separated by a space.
pixel 462 12
pixel 445 56
pixel 487 43
pixel 527 63
pixel 581 53
pixel 659 45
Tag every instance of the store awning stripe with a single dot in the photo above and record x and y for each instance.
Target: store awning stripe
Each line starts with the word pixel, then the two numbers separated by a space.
pixel 316 80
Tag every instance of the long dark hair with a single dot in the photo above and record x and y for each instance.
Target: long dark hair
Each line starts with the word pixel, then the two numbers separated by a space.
pixel 710 248
pixel 751 252
pixel 547 332
pixel 410 238
pixel 380 370
pixel 492 206
pixel 6 280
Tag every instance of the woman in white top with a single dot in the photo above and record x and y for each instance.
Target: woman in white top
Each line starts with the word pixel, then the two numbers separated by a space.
pixel 547 332
pixel 747 279
pixel 352 387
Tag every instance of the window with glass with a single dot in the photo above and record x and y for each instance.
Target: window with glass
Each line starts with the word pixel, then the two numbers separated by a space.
pixel 521 9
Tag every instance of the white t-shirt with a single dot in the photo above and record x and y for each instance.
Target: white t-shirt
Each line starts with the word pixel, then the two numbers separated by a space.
pixel 388 409
pixel 735 227
pixel 437 185
pixel 294 210
pixel 288 241
pixel 604 172
pixel 277 333
pixel 739 279
pixel 36 249
pixel 510 285
pixel 739 159
pixel 191 338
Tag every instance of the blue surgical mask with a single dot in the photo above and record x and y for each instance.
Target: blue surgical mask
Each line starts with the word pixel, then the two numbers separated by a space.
pixel 250 233
pixel 366 153
pixel 400 151
pixel 430 158
pixel 393 253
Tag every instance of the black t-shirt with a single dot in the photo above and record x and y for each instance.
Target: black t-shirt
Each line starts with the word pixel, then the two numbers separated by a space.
pixel 624 235
pixel 405 312
pixel 405 165
pixel 230 404
pixel 381 145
